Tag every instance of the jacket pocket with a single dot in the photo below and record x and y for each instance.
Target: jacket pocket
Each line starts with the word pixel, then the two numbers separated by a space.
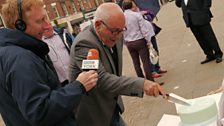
pixel 200 17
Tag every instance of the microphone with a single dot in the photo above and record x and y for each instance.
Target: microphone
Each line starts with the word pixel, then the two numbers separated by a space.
pixel 92 61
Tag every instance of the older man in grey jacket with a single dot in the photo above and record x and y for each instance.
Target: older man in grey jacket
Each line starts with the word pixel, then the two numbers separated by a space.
pixel 102 105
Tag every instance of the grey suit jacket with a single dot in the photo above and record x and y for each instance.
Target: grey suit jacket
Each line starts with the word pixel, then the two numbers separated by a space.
pixel 97 108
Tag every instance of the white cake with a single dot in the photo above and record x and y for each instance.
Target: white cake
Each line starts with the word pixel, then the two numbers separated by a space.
pixel 201 110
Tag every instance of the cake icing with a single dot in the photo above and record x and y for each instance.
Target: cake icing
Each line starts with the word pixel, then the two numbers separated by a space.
pixel 201 110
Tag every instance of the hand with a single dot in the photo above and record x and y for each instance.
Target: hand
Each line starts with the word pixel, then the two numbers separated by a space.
pixel 153 89
pixel 88 79
pixel 143 12
pixel 149 44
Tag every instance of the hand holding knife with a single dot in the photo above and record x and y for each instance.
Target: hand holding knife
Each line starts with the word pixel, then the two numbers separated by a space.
pixel 177 99
pixel 154 89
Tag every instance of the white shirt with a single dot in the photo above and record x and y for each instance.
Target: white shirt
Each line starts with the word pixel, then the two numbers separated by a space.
pixel 59 56
pixel 137 27
pixel 186 1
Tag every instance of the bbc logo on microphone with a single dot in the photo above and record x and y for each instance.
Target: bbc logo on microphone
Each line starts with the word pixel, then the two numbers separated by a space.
pixel 90 64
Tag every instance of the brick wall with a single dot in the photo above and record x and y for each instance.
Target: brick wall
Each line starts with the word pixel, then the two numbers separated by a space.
pixel 88 5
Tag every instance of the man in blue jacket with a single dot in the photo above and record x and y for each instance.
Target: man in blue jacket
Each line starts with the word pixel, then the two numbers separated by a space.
pixel 30 92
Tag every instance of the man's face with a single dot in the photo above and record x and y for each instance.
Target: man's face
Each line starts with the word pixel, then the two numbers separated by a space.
pixel 36 21
pixel 49 32
pixel 109 32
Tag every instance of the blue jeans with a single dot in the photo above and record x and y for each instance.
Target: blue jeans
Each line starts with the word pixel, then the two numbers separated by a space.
pixel 155 67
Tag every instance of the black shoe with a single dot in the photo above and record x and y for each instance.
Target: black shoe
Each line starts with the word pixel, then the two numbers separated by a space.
pixel 207 60
pixel 161 83
pixel 218 60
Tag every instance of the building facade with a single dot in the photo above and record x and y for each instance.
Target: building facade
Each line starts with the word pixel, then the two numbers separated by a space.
pixel 71 13
pixel 68 13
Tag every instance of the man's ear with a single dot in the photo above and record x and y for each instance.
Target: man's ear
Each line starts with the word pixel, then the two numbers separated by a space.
pixel 97 25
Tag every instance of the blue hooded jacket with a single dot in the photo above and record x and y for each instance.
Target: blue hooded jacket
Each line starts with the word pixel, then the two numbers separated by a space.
pixel 30 92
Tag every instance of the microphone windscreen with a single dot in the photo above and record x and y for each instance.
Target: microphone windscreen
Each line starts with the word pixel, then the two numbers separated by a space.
pixel 92 60
pixel 93 54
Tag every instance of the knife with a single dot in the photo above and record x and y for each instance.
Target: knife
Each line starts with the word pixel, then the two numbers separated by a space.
pixel 177 99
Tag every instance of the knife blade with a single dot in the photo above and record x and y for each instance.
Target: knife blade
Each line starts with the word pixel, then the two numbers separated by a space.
pixel 177 99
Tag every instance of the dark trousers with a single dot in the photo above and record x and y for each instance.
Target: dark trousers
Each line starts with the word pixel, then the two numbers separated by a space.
pixel 117 119
pixel 207 40
pixel 138 49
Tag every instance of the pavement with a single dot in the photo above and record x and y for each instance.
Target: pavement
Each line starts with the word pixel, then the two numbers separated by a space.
pixel 181 55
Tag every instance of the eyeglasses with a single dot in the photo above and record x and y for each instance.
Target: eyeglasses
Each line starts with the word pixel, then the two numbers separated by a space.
pixel 114 31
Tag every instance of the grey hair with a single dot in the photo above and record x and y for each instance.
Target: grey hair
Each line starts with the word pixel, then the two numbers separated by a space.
pixel 104 11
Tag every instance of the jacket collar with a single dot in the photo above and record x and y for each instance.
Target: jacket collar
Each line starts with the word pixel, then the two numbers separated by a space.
pixel 11 37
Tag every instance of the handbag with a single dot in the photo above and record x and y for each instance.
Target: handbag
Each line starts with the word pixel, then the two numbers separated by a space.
pixel 156 28
pixel 153 55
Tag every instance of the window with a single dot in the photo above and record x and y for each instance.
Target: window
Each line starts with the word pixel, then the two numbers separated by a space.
pixel 81 5
pixel 97 2
pixel 73 6
pixel 64 9
pixel 90 5
pixel 53 5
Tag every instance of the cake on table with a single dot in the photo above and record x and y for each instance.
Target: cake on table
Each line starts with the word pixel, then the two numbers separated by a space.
pixel 201 111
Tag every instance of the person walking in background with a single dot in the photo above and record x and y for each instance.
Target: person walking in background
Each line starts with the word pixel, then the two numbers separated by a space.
pixel 30 92
pixel 59 46
pixel 149 16
pixel 137 37
pixel 197 16
pixel 103 105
